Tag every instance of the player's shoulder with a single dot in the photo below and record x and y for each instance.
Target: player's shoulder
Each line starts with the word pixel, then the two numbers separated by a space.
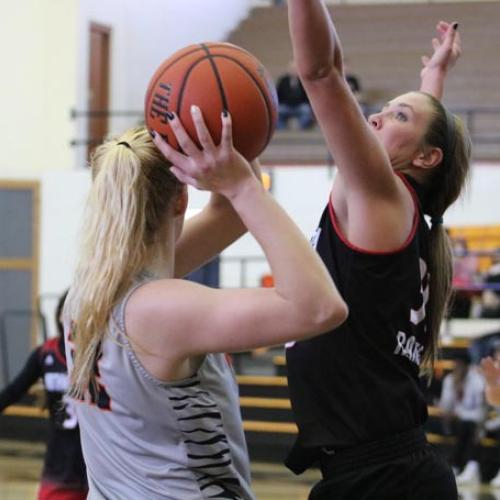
pixel 162 296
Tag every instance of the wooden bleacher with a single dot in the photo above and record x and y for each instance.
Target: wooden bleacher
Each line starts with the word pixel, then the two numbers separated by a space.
pixel 482 239
pixel 383 44
pixel 266 410
pixel 268 418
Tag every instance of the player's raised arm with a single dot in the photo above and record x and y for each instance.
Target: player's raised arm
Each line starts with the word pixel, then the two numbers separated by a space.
pixel 209 232
pixel 367 184
pixel 446 50
pixel 304 301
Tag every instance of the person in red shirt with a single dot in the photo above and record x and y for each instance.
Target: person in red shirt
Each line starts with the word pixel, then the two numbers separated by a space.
pixel 64 474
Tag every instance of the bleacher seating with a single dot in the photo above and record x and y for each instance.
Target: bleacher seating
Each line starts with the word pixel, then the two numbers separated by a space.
pixel 383 44
pixel 268 419
pixel 266 410
pixel 485 240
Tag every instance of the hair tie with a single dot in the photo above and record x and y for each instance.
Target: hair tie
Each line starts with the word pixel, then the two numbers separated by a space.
pixel 124 143
pixel 436 220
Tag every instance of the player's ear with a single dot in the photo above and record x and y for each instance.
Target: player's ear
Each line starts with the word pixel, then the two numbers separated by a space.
pixel 428 157
pixel 181 201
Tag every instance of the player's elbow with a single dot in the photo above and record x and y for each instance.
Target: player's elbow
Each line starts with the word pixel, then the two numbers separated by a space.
pixel 311 73
pixel 328 314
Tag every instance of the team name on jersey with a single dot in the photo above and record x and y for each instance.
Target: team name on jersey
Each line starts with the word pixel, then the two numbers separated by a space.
pixel 407 345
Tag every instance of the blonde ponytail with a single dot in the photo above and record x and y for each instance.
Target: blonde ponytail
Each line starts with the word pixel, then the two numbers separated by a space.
pixel 127 205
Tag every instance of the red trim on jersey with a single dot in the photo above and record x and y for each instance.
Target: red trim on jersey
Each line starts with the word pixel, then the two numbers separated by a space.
pixel 416 218
pixel 52 346
pixel 50 490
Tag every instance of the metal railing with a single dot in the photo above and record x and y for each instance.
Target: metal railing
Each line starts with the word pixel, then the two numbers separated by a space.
pixel 243 271
pixel 471 115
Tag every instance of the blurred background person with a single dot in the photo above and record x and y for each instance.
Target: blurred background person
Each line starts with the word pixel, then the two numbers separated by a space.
pixel 492 424
pixel 463 403
pixel 491 295
pixel 293 101
pixel 64 475
pixel 354 82
pixel 465 274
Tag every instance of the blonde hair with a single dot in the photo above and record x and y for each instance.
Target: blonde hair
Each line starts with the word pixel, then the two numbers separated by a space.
pixel 447 182
pixel 132 188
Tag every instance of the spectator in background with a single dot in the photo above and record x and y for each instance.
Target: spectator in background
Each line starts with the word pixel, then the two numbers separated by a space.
pixel 64 475
pixel 491 296
pixel 293 101
pixel 354 83
pixel 352 79
pixel 465 274
pixel 492 425
pixel 463 404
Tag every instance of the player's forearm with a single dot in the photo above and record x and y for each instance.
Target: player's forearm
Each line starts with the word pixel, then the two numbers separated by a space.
pixel 432 81
pixel 10 395
pixel 30 373
pixel 206 235
pixel 313 37
pixel 288 252
pixel 211 231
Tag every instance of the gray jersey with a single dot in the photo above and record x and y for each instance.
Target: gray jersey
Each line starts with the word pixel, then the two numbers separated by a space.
pixel 144 439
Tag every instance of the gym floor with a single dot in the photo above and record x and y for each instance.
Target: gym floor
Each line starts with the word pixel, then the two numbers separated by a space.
pixel 21 463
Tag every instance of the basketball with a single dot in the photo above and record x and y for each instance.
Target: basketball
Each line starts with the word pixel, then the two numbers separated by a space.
pixel 215 77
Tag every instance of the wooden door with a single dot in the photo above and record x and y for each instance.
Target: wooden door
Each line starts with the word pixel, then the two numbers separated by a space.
pixel 100 40
pixel 19 249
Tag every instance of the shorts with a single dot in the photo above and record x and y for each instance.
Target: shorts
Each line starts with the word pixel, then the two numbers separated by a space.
pixel 406 468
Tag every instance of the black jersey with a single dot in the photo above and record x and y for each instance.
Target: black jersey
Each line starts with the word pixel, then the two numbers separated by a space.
pixel 63 459
pixel 360 382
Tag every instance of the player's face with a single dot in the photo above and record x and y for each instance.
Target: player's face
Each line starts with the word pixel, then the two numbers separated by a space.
pixel 401 126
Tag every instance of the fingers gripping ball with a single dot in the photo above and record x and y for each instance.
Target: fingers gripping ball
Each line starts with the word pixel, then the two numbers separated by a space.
pixel 215 77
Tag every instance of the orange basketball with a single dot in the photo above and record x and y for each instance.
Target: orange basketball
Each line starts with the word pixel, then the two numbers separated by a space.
pixel 215 77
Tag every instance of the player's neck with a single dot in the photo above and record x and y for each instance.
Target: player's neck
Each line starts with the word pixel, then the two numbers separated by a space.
pixel 160 263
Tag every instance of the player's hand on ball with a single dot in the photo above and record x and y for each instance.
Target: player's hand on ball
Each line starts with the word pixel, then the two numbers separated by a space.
pixel 218 168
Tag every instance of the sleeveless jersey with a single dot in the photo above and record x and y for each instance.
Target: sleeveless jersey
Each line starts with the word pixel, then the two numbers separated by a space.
pixel 145 438
pixel 360 382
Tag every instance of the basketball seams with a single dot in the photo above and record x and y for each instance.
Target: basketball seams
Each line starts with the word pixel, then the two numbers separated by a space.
pixel 201 46
pixel 211 58
pixel 262 92
pixel 218 79
pixel 161 70
pixel 249 73
pixel 184 83
pixel 250 69
pixel 227 46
